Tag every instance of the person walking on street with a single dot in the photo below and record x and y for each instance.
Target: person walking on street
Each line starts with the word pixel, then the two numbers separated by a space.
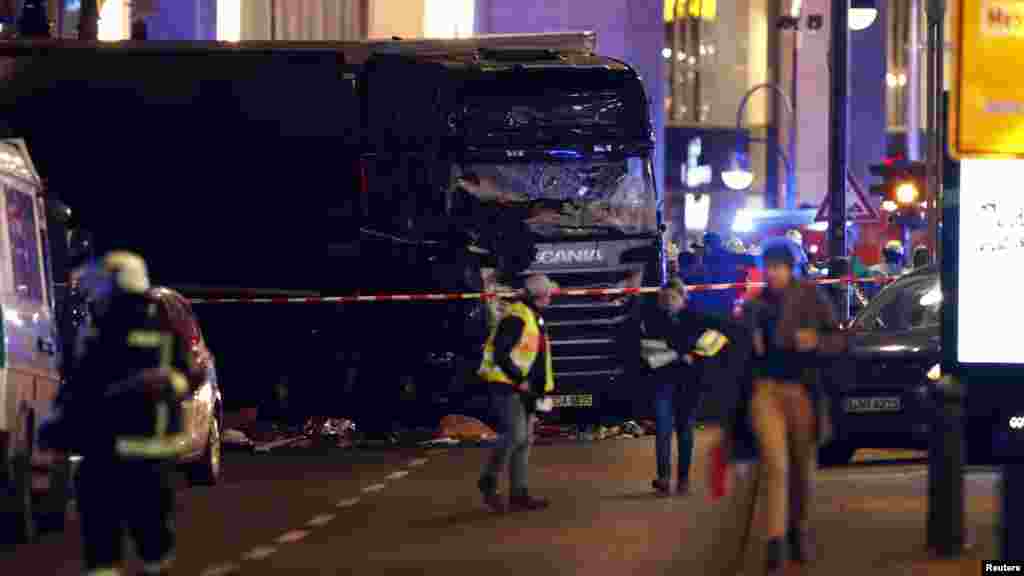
pixel 517 367
pixel 669 338
pixel 720 266
pixel 121 410
pixel 780 409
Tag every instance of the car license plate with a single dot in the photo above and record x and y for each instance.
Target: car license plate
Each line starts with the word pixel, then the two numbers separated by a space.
pixel 875 404
pixel 573 401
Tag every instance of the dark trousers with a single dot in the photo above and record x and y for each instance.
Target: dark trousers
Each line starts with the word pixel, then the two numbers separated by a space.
pixel 675 409
pixel 515 424
pixel 118 496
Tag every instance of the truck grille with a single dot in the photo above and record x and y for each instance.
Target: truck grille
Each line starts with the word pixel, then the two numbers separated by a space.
pixel 584 329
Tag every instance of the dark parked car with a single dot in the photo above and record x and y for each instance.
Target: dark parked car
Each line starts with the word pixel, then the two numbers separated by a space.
pixel 884 387
pixel 203 410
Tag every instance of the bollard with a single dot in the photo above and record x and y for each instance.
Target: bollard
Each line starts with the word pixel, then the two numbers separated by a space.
pixel 945 471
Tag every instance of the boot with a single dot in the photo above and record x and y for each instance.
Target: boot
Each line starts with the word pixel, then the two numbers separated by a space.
pixel 775 557
pixel 523 501
pixel 488 486
pixel 683 488
pixel 662 486
pixel 801 546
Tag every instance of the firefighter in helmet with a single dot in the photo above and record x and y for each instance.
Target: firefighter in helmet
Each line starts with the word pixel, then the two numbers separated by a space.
pixel 121 410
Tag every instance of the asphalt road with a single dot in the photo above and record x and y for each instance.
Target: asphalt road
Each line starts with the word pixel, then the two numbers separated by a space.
pixel 329 511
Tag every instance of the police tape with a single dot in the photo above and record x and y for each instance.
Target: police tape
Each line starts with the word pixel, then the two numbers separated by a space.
pixel 454 296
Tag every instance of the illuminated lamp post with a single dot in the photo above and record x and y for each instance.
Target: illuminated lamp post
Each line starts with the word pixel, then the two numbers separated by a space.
pixel 739 176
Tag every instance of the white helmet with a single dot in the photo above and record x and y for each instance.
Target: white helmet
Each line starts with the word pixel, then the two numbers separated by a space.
pixel 123 271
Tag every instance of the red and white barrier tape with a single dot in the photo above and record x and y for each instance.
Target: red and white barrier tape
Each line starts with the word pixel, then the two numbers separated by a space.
pixel 439 297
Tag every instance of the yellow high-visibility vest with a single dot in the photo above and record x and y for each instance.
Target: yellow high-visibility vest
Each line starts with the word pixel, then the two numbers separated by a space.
pixel 524 354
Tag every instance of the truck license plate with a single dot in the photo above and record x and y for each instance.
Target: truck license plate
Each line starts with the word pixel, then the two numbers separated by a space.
pixel 573 401
pixel 875 404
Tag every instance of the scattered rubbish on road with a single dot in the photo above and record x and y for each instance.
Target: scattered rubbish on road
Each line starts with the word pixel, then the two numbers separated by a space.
pixel 236 439
pixel 329 427
pixel 441 442
pixel 634 429
pixel 464 428
pixel 264 447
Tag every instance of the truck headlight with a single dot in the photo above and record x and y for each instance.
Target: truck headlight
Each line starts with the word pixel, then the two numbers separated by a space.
pixel 935 374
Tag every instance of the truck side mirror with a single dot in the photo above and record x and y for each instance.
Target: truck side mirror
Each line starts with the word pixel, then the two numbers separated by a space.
pixel 60 212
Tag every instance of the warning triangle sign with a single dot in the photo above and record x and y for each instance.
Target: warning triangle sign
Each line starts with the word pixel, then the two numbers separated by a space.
pixel 859 210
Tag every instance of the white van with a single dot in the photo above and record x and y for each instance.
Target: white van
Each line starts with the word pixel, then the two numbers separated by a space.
pixel 33 485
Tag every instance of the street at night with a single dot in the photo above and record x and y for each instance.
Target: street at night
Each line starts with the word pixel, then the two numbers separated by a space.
pixel 467 287
pixel 417 511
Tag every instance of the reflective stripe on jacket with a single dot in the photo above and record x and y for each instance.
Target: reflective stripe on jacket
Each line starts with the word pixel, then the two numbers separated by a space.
pixel 524 354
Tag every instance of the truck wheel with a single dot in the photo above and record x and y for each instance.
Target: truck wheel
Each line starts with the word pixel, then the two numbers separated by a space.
pixel 206 472
pixel 836 454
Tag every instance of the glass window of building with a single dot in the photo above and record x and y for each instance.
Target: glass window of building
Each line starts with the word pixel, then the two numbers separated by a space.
pixel 715 52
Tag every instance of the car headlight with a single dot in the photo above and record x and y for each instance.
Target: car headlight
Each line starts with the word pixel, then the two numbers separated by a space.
pixel 935 374
pixel 1017 423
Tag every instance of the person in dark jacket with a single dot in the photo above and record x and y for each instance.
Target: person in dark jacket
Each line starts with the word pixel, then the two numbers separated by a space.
pixel 792 326
pixel 120 408
pixel 720 266
pixel 517 367
pixel 666 337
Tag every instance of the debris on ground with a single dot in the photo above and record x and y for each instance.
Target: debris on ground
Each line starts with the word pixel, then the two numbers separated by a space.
pixel 464 428
pixel 634 429
pixel 340 432
pixel 236 439
pixel 443 441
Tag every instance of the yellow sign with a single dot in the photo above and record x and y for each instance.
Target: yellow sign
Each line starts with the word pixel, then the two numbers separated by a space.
pixel 703 9
pixel 986 113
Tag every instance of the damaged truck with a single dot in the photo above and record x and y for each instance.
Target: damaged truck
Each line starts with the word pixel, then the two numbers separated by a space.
pixel 380 167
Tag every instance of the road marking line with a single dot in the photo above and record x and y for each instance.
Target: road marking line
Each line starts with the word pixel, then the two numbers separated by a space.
pixel 292 536
pixel 320 520
pixel 261 553
pixel 398 474
pixel 222 570
pixel 373 488
pixel 347 502
pixel 417 462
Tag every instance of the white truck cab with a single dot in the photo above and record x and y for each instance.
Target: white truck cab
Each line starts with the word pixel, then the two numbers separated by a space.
pixel 33 485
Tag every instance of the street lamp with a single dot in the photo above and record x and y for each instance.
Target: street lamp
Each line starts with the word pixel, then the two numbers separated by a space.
pixel 738 174
pixel 862 14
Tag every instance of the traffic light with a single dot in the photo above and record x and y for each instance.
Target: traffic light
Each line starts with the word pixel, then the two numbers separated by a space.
pixel 904 185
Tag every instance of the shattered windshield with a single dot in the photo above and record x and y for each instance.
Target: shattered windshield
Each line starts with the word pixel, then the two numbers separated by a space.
pixel 561 197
